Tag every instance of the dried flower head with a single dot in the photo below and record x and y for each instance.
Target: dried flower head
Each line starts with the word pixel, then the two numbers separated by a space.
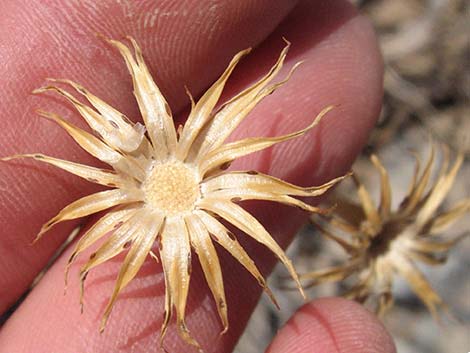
pixel 382 243
pixel 169 189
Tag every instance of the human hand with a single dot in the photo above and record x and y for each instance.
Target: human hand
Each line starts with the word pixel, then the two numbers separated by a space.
pixel 190 44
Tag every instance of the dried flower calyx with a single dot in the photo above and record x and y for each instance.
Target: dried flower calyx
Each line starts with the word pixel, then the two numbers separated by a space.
pixel 169 190
pixel 381 242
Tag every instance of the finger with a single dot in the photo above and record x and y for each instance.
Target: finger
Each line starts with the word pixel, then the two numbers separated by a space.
pixel 332 325
pixel 186 42
pixel 342 60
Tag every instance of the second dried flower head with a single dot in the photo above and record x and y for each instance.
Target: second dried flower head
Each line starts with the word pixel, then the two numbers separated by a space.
pixel 382 243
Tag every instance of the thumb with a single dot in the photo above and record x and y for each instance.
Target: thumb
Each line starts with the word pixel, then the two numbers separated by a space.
pixel 332 325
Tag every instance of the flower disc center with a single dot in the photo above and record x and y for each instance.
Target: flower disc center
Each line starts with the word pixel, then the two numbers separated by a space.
pixel 171 187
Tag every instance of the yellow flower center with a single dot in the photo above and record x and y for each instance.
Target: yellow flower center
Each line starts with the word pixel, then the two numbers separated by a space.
pixel 172 187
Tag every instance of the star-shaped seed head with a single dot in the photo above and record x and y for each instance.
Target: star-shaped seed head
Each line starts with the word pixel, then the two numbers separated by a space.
pixel 382 243
pixel 169 193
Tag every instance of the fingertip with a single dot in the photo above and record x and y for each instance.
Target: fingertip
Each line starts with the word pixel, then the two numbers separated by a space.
pixel 332 325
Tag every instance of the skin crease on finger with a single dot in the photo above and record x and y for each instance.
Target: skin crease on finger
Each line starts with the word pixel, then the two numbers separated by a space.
pixel 332 325
pixel 342 67
pixel 40 39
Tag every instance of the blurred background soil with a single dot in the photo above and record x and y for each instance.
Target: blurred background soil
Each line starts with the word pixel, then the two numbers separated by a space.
pixel 426 48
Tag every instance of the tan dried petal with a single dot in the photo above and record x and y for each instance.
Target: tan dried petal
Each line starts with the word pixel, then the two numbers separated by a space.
pixel 103 226
pixel 232 113
pixel 222 236
pixel 91 204
pixel 202 244
pixel 145 236
pixel 443 220
pixel 107 122
pixel 385 188
pixel 202 111
pixel 95 175
pixel 231 151
pixel 153 106
pixel 249 225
